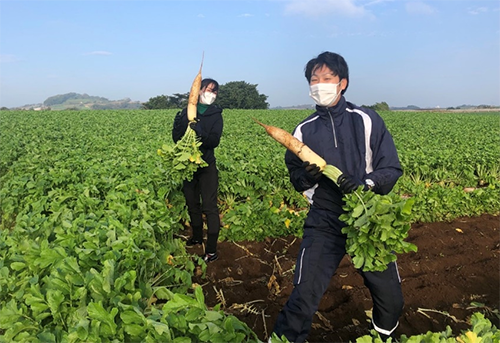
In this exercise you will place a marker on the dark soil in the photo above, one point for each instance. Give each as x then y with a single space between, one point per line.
457 263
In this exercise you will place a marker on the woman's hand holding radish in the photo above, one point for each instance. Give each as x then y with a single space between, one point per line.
194 126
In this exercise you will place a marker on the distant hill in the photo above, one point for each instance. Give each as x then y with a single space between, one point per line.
457 108
77 101
296 107
406 108
63 98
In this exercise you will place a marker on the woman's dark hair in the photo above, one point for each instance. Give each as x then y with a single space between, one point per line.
206 82
334 61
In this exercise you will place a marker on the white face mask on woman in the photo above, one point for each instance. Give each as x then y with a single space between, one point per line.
324 94
207 98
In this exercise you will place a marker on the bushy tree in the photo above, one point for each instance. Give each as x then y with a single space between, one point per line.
241 95
178 100
235 94
379 106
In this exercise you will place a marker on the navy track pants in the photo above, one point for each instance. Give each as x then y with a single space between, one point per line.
321 251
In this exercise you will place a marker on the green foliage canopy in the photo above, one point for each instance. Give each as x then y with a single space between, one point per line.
235 94
177 100
379 106
241 95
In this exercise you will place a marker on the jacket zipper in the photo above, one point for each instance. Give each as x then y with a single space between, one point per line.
333 128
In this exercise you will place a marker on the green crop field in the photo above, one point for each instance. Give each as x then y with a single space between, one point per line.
88 215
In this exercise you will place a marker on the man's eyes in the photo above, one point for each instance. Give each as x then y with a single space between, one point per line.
327 79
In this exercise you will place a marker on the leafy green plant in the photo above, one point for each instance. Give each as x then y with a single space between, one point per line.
184 158
88 216
376 227
481 331
188 317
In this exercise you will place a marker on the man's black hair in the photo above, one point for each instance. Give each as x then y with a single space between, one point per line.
334 61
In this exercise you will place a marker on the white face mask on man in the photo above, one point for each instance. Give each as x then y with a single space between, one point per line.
207 98
324 94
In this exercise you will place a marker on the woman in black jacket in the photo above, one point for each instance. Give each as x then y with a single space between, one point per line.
201 191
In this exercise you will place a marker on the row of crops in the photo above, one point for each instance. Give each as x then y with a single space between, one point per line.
88 247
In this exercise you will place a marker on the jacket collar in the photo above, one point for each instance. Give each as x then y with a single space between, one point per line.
212 109
334 110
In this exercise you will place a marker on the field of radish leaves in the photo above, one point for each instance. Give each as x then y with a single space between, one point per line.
89 222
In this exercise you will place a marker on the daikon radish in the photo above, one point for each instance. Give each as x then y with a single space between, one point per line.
194 94
301 150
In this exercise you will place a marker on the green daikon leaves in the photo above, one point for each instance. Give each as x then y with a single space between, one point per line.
184 158
376 226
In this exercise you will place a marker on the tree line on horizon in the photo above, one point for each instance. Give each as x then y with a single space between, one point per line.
232 95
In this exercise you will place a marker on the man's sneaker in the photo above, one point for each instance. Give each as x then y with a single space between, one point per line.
190 242
210 257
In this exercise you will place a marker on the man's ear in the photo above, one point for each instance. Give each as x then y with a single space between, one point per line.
343 84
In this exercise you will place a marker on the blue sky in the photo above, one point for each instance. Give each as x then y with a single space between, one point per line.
424 53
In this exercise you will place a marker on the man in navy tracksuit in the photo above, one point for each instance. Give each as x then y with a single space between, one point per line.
356 141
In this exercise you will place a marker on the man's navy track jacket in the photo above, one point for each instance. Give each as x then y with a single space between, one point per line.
351 138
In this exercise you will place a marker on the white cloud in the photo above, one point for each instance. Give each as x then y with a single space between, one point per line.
418 7
99 53
315 8
477 10
5 58
201 16
374 2
246 15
